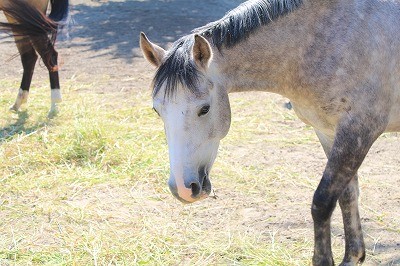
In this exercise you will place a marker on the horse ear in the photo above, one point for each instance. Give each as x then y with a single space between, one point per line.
152 52
202 52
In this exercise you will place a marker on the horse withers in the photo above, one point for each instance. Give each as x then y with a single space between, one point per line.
337 61
35 33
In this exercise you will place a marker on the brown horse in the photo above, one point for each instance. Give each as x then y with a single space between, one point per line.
338 62
35 33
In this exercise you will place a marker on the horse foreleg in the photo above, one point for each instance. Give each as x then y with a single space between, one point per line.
348 201
354 136
28 59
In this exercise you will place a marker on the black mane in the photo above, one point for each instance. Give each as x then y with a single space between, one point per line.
234 27
238 23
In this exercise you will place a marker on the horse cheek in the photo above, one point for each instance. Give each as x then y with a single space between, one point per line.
224 117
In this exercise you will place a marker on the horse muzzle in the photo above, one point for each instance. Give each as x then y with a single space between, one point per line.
190 189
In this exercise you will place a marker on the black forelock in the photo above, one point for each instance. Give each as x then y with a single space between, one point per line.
177 67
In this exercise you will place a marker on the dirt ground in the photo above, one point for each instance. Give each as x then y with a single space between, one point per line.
103 45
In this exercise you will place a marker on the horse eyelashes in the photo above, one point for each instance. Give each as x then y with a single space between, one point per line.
204 110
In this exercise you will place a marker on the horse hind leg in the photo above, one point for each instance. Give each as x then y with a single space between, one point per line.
354 241
28 59
55 87
49 55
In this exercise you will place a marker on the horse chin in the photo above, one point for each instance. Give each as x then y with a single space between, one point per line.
206 190
191 190
202 196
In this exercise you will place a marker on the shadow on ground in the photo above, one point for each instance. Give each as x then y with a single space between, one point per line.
113 27
18 127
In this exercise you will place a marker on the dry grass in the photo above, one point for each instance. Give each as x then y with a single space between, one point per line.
89 186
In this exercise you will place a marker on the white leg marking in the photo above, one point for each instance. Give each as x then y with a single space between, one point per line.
56 96
22 97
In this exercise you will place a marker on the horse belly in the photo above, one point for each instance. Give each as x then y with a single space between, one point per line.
312 116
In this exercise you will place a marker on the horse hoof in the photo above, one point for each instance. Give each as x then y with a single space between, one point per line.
53 111
357 260
51 114
14 109
323 261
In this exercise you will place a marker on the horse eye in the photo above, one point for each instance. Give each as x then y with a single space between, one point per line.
204 110
154 109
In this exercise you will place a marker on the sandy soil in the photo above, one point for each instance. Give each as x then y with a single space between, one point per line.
103 42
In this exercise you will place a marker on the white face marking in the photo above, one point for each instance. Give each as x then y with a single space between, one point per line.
194 124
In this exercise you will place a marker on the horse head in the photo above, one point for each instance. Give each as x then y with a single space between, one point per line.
194 107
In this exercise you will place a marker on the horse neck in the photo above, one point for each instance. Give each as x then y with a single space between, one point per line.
270 58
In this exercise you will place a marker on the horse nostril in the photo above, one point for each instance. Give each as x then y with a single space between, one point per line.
200 187
196 189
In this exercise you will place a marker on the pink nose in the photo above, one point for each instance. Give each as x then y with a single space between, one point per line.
190 190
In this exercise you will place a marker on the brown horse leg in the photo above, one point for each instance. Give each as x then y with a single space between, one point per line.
354 136
49 56
28 59
355 247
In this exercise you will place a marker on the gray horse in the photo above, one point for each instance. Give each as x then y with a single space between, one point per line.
337 61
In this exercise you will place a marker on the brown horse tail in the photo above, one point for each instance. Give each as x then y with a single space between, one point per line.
33 23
